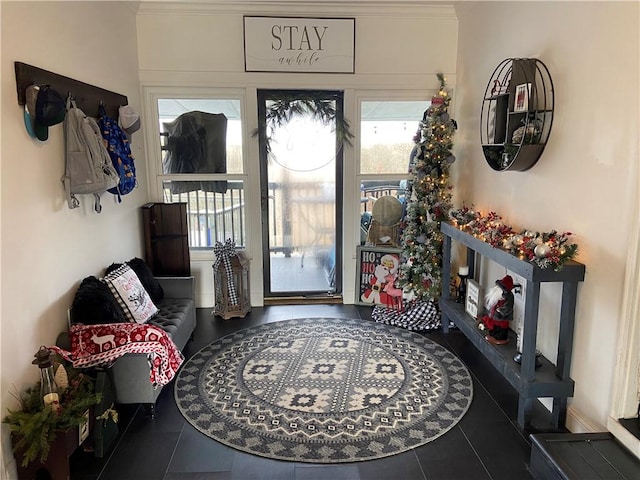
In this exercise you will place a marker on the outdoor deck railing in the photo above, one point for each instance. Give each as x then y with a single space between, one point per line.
213 217
300 214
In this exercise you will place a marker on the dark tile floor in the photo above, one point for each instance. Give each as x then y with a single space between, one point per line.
486 444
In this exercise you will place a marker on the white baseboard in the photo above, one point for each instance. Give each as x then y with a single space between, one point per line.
205 301
578 423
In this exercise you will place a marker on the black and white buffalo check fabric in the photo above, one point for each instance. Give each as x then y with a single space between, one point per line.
415 316
322 390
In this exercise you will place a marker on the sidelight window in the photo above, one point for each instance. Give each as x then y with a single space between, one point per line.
202 166
387 131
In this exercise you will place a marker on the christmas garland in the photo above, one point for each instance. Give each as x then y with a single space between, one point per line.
544 249
285 106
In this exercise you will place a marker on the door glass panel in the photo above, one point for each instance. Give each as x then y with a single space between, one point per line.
301 178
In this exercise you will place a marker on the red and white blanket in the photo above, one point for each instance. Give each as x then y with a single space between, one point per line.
101 345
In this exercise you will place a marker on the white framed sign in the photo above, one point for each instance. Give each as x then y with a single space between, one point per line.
299 44
473 302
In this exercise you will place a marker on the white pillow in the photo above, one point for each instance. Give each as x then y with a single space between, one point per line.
131 294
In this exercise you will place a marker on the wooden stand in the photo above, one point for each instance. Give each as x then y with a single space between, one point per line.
105 430
57 462
547 380
166 239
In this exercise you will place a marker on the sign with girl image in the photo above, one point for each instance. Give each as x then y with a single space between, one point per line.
377 272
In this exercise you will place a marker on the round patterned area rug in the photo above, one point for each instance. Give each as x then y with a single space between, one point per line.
323 390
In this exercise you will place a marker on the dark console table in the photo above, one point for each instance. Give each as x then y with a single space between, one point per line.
548 380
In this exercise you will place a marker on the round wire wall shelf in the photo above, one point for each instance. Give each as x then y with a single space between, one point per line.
517 114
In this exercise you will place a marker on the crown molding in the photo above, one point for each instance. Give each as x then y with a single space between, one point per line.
413 8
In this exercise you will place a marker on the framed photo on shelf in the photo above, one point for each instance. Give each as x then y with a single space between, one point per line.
473 302
376 274
523 94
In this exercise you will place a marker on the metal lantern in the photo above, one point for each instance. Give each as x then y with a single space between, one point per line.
49 391
231 285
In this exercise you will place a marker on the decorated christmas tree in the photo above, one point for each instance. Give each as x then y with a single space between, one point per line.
429 200
429 203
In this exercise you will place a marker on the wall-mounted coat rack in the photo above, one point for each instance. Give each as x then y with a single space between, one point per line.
88 97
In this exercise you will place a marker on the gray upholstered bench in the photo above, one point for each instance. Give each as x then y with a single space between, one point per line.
130 373
177 317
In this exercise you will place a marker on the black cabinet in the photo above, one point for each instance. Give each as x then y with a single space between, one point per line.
517 114
166 239
531 382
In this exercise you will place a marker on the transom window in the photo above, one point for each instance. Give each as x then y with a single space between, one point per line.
387 129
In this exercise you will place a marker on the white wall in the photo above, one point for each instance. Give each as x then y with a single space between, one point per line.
585 180
47 248
398 48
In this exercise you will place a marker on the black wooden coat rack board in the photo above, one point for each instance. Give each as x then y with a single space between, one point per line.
87 96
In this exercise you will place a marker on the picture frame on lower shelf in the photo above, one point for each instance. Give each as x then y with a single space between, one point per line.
473 300
376 273
83 428
522 97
